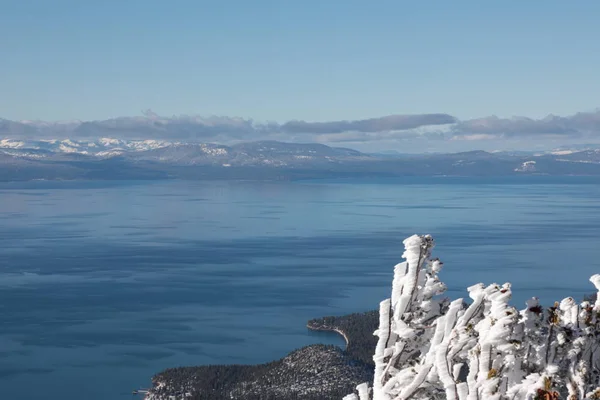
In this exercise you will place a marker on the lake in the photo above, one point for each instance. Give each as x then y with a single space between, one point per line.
103 284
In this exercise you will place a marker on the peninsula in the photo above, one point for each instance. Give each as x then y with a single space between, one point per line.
309 373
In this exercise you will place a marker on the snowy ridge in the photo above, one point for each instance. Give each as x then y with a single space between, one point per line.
113 158
11 144
432 348
527 166
103 147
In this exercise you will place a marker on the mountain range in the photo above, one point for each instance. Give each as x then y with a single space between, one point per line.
107 158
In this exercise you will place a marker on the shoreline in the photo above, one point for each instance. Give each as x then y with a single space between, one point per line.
347 366
324 328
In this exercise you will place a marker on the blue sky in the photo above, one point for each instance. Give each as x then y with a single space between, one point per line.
307 60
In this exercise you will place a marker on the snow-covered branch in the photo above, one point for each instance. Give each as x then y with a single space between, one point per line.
431 348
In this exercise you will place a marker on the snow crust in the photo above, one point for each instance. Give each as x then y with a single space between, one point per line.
527 166
11 144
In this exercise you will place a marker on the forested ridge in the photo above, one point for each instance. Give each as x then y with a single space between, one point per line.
310 373
358 329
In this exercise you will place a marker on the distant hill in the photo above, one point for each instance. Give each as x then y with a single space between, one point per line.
112 159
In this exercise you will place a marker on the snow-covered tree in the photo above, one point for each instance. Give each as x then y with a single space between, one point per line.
433 348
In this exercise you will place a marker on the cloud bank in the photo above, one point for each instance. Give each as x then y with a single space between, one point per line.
372 125
578 124
391 128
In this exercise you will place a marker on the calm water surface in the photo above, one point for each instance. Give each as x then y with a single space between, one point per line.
103 284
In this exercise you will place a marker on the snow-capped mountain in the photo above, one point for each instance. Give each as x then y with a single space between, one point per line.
260 153
110 158
103 147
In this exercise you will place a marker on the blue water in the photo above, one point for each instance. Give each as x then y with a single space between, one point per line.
103 284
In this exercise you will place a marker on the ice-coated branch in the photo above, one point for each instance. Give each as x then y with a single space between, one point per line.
430 348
